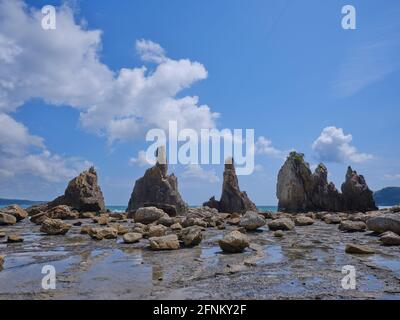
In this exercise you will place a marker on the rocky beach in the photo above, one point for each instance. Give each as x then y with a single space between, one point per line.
161 248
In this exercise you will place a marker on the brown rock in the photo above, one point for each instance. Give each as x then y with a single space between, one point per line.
148 215
14 238
157 187
303 221
103 233
16 211
191 236
55 227
82 193
234 242
284 224
358 249
169 242
132 237
390 239
62 212
157 231
7 219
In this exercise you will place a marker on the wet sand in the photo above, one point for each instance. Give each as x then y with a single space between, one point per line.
305 264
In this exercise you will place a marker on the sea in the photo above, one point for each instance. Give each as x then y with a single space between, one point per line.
123 208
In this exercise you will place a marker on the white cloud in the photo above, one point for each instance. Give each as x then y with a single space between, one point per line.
62 67
22 153
392 176
258 168
150 51
196 171
264 146
334 146
141 160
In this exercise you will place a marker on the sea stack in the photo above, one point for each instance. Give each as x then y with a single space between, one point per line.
83 193
232 199
300 190
356 194
158 189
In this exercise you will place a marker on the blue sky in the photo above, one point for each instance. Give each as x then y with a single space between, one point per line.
285 68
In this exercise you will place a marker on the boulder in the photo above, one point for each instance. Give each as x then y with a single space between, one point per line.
86 229
303 221
252 221
356 194
7 219
166 221
82 193
103 233
188 222
332 219
1 262
169 242
212 203
55 227
62 212
390 238
14 238
157 187
234 242
352 226
191 236
36 209
157 231
284 224
358 249
39 218
148 215
16 211
387 222
132 237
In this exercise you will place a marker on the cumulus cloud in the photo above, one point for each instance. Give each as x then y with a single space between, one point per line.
23 153
197 172
333 145
62 67
264 146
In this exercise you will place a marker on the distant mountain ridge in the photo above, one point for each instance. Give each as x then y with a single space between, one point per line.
389 196
7 202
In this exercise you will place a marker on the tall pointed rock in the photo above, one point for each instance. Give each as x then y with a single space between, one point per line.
157 188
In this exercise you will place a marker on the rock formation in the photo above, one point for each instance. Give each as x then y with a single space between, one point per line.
232 199
356 194
300 190
158 189
83 194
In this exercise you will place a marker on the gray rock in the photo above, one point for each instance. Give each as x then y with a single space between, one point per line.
132 237
191 236
352 226
303 221
148 215
234 242
284 224
332 219
252 221
387 222
55 227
